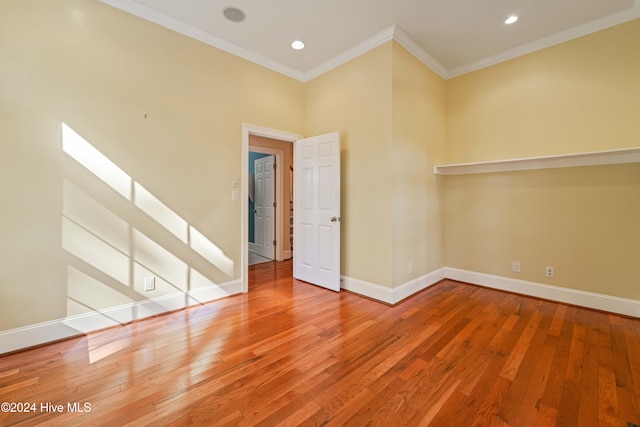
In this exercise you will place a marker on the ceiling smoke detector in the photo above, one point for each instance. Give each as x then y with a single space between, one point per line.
233 14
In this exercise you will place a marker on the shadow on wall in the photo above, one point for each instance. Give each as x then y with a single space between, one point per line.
113 244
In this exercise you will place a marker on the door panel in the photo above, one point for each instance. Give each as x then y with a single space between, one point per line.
317 210
264 212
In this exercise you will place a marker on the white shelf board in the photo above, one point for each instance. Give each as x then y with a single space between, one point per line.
594 158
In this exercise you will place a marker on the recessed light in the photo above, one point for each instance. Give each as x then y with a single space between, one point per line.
511 19
297 45
233 14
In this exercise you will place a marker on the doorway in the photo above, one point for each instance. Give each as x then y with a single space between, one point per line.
263 212
317 206
279 144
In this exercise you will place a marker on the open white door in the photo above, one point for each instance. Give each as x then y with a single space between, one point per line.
316 246
264 211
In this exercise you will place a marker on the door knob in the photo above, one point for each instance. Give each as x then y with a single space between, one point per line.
335 219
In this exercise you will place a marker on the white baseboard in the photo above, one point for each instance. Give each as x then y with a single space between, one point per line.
287 254
612 304
625 306
32 335
416 285
367 289
389 295
29 336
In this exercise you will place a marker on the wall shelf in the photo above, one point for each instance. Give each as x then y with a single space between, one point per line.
594 158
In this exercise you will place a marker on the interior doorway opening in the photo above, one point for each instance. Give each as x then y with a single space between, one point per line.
279 144
265 206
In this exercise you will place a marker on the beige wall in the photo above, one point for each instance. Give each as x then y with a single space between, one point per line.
355 99
418 125
70 243
583 95
389 108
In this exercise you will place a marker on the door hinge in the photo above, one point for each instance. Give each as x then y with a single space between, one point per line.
275 205
274 243
275 166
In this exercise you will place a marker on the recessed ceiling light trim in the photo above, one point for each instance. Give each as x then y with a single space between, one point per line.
297 44
510 20
234 14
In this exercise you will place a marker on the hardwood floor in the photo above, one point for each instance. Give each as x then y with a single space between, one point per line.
289 353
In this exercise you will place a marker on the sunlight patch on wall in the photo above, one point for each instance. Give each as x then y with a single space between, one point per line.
157 210
210 251
113 245
92 159
172 274
95 251
95 218
98 164
87 294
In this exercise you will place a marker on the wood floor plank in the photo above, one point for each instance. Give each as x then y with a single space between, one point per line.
290 353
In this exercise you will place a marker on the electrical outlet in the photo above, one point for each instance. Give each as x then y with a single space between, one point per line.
549 272
516 267
410 269
149 283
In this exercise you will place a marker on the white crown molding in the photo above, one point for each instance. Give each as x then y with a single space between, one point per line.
351 53
148 14
390 33
564 36
42 333
408 43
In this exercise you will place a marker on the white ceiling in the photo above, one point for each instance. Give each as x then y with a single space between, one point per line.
451 36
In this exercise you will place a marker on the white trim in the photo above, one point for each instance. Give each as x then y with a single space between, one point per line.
608 303
41 333
392 295
188 30
248 129
29 336
367 289
416 285
390 33
408 43
594 158
555 39
351 53
612 304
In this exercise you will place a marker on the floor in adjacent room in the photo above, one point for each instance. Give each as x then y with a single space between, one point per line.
254 258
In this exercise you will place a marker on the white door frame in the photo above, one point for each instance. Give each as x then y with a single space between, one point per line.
248 129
